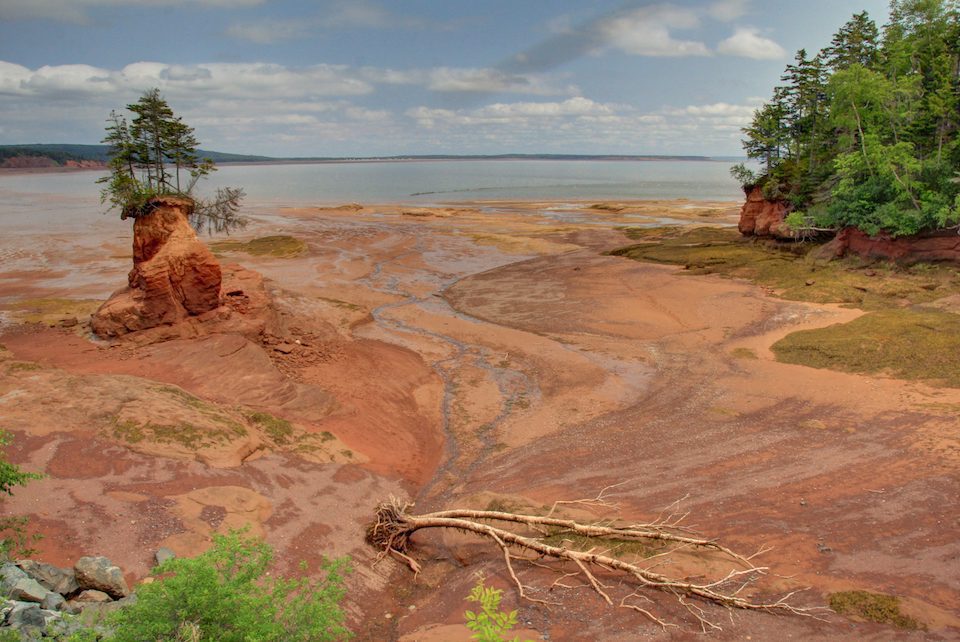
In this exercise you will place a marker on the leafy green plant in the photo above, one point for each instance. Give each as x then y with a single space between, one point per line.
489 624
226 594
14 539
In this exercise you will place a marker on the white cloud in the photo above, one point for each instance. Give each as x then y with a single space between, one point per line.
585 125
207 79
747 42
319 110
77 11
727 10
647 31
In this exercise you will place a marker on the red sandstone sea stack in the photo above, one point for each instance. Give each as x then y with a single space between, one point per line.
763 217
174 275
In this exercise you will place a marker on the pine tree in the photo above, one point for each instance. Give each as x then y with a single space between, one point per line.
141 152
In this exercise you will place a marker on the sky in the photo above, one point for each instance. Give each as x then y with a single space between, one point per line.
367 78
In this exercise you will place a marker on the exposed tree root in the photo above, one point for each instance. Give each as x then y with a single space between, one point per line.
390 533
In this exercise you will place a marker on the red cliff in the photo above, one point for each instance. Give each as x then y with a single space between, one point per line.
941 246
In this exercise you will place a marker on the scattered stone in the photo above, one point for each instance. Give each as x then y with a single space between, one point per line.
59 580
100 574
809 282
53 602
284 348
27 590
93 595
10 574
68 322
823 548
163 554
26 615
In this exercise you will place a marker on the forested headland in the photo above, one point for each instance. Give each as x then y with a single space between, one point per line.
865 132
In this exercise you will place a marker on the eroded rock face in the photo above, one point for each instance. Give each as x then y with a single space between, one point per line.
762 217
942 246
174 275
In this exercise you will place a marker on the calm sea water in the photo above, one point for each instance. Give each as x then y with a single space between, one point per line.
420 182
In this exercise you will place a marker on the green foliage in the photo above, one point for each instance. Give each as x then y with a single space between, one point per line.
743 175
155 153
10 474
226 594
14 539
489 624
867 130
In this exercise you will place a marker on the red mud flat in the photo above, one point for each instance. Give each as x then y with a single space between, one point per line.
464 356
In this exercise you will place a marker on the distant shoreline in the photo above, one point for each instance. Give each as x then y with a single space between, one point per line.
13 171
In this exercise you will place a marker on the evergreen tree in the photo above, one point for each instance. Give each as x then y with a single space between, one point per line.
141 152
865 133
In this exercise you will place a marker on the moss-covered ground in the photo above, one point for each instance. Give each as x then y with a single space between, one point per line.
902 335
50 311
280 246
874 607
904 343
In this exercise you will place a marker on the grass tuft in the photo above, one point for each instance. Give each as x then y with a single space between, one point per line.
884 609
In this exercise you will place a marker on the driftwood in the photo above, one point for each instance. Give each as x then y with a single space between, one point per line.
394 525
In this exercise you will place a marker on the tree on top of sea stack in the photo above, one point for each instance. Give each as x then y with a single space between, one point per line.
155 154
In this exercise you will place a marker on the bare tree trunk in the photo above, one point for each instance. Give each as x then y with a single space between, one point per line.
394 525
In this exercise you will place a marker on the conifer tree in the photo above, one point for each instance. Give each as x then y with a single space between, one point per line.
142 152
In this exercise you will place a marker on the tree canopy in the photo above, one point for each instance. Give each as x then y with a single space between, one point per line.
154 154
865 132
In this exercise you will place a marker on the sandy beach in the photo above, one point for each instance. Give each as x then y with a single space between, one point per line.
475 352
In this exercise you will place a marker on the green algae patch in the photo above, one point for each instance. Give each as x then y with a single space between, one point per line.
875 607
280 246
50 311
22 366
792 270
280 431
905 343
183 433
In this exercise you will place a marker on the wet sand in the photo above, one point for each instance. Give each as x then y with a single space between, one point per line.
491 347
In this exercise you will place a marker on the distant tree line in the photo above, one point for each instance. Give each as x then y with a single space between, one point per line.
865 132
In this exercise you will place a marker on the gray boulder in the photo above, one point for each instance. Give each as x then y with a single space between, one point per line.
26 615
59 580
9 575
53 602
27 590
100 574
163 554
93 595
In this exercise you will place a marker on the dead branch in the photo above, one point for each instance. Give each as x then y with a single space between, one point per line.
394 525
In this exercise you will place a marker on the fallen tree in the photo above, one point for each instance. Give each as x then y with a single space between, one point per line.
530 539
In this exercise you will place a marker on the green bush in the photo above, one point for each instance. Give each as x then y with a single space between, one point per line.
14 540
226 594
489 624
